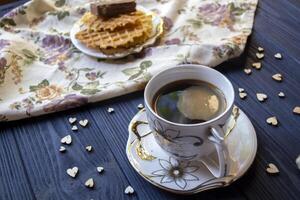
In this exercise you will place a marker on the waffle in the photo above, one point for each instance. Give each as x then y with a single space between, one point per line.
95 23
123 49
120 38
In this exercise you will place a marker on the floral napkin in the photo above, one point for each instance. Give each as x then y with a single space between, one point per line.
42 72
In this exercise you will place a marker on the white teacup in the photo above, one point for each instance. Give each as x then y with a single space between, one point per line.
192 141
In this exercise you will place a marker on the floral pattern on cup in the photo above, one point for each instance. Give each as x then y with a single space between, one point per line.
168 134
171 139
176 171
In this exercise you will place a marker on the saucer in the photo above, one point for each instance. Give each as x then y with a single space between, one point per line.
164 171
157 23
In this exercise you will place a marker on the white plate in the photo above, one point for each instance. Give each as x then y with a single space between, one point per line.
156 32
155 165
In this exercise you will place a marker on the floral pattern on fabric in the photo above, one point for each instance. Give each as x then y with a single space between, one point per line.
42 72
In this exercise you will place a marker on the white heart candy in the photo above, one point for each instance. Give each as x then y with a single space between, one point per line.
62 149
256 65
243 95
296 110
277 77
272 169
89 183
110 110
260 55
272 121
260 49
241 90
84 123
100 169
261 97
129 190
248 71
72 120
66 140
89 148
298 162
74 128
278 56
72 171
281 94
140 106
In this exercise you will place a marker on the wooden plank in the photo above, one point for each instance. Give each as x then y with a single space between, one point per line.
276 31
14 182
41 174
39 140
279 145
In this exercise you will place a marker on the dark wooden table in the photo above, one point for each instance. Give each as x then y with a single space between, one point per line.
32 168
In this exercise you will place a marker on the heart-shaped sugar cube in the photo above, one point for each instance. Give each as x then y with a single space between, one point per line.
72 120
62 149
84 123
298 162
89 148
261 97
110 110
296 110
272 121
256 65
260 49
278 56
277 77
129 190
72 171
248 71
89 183
66 140
74 128
100 169
260 55
272 169
281 94
243 95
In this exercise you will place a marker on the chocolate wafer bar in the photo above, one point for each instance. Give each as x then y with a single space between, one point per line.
112 8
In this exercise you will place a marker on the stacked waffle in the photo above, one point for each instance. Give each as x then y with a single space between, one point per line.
116 34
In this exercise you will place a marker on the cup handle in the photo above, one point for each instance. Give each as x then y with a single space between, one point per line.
217 138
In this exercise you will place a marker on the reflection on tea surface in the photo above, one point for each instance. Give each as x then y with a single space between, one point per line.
189 102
